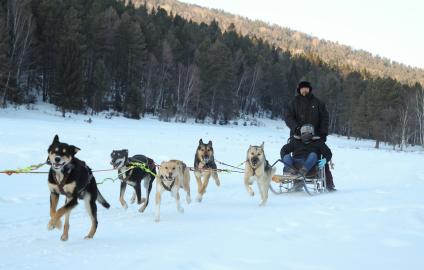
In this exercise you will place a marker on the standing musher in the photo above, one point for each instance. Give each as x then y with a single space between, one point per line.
305 108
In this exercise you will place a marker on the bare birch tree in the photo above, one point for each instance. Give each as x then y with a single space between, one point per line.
19 27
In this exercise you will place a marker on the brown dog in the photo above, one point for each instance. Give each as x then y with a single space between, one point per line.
204 166
172 176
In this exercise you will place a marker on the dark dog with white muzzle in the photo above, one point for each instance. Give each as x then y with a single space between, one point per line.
131 171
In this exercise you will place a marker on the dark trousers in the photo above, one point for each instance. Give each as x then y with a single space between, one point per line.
328 177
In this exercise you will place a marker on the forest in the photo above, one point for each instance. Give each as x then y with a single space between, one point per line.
88 56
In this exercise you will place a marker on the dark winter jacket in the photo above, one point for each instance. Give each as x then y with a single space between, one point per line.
302 150
307 110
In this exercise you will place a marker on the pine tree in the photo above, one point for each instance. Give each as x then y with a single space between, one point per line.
69 87
100 86
218 88
129 58
4 58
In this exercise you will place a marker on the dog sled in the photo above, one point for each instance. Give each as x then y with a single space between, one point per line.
313 183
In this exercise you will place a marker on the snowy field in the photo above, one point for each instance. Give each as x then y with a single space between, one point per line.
374 221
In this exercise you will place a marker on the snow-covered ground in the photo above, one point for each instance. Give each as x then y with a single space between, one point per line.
374 221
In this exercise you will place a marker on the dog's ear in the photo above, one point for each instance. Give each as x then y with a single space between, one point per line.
200 141
210 143
74 149
262 145
55 139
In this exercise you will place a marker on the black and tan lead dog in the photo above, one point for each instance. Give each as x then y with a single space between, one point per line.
133 176
71 177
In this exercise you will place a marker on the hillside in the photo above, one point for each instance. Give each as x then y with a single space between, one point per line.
295 42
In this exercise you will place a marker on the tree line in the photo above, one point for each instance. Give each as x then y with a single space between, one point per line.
88 56
294 41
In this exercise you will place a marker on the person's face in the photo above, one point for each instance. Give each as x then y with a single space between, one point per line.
304 91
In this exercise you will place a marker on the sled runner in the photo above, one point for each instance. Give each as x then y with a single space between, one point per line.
312 183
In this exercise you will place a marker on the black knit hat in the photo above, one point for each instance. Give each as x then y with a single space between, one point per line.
303 84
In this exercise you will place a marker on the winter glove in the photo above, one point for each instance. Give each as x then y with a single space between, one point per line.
322 162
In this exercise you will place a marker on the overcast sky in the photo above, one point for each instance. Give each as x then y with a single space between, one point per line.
391 28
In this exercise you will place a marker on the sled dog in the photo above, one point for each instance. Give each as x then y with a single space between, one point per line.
72 178
172 176
257 168
204 166
132 171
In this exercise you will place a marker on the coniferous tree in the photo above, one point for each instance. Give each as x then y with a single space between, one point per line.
69 87
100 86
4 58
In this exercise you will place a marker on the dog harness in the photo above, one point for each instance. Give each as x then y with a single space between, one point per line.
165 186
61 184
267 166
124 175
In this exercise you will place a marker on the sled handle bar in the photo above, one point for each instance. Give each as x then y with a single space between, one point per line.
276 162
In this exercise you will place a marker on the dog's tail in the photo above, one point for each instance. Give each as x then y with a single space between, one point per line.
271 172
102 200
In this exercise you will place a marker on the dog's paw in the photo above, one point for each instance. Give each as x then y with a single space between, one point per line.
64 237
199 198
262 204
157 219
188 199
142 200
54 223
88 237
50 226
217 182
180 209
124 205
141 210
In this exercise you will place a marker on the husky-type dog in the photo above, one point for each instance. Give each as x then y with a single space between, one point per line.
204 165
172 176
71 177
134 176
257 168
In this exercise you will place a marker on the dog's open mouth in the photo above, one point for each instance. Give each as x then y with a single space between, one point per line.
168 178
58 166
116 164
254 162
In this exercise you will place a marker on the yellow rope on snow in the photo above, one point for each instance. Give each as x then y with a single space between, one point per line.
24 170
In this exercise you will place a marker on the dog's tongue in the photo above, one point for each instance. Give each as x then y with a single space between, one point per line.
57 165
113 165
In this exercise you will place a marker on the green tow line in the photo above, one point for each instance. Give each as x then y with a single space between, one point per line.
24 170
133 165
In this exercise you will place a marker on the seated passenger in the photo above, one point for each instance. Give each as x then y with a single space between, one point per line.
300 155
